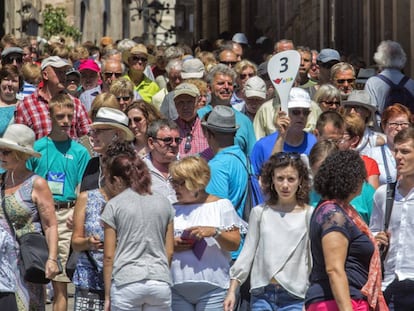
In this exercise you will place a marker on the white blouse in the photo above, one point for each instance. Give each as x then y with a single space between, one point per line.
213 266
276 246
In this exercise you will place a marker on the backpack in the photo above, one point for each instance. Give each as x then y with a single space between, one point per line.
398 93
253 193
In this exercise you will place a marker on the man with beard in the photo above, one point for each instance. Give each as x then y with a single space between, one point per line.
221 80
33 111
343 78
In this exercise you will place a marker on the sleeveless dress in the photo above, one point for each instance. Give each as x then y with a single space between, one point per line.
85 275
23 213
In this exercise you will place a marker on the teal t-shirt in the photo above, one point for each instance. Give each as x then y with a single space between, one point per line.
62 164
363 203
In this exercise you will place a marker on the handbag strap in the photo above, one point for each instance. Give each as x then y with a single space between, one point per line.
92 260
3 205
389 204
384 159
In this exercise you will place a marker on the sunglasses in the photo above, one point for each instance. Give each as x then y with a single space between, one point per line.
232 64
124 98
11 59
110 74
245 75
330 103
287 156
342 81
187 146
139 59
5 152
170 140
297 112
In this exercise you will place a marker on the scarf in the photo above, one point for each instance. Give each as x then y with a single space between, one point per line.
372 288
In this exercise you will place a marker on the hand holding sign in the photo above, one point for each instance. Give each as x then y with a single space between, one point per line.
282 69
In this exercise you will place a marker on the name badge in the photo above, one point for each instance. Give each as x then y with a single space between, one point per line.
56 182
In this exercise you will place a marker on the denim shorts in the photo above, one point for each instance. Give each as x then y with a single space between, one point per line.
274 297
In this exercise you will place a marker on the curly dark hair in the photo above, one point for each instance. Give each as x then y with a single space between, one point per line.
340 175
121 160
282 160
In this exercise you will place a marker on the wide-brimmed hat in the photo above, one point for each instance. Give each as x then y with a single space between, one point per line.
298 98
221 119
55 62
255 87
186 89
360 98
113 118
135 50
19 137
193 69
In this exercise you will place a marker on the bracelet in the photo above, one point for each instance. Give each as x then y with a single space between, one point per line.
51 259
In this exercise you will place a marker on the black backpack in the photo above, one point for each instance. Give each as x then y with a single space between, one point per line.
398 93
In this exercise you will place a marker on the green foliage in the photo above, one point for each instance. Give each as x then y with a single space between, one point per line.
54 23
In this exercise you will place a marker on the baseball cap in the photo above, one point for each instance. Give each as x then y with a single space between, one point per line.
89 64
255 87
327 55
55 62
186 89
298 98
193 69
240 38
11 50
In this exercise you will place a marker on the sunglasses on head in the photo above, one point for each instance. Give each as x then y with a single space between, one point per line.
342 81
297 112
110 74
139 59
245 75
169 140
287 156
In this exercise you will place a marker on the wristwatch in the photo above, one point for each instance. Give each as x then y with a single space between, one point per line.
218 233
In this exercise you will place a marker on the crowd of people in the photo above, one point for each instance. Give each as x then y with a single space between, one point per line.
136 158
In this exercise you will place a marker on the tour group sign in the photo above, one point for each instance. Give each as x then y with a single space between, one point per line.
282 69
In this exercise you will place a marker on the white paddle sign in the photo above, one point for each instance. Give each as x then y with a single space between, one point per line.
282 69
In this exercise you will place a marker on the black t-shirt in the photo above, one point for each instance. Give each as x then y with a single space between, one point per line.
90 179
325 219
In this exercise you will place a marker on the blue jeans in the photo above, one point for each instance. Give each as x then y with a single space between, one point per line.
274 297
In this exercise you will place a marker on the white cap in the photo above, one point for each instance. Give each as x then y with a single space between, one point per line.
255 87
299 98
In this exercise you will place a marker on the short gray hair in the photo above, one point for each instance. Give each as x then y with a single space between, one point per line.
327 91
220 69
155 126
176 64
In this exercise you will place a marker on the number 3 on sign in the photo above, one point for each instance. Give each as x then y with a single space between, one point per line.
283 68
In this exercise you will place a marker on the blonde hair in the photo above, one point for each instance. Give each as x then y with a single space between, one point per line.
193 171
200 84
31 73
20 156
103 100
62 100
122 85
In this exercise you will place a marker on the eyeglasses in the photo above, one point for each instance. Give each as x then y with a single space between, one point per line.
187 146
245 75
298 112
110 74
139 59
5 152
342 81
228 63
11 59
124 98
169 140
287 156
98 131
330 103
396 124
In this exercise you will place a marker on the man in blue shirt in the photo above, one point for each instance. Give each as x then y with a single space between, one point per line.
221 80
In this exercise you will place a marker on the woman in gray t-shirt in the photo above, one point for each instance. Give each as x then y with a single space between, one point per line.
138 244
